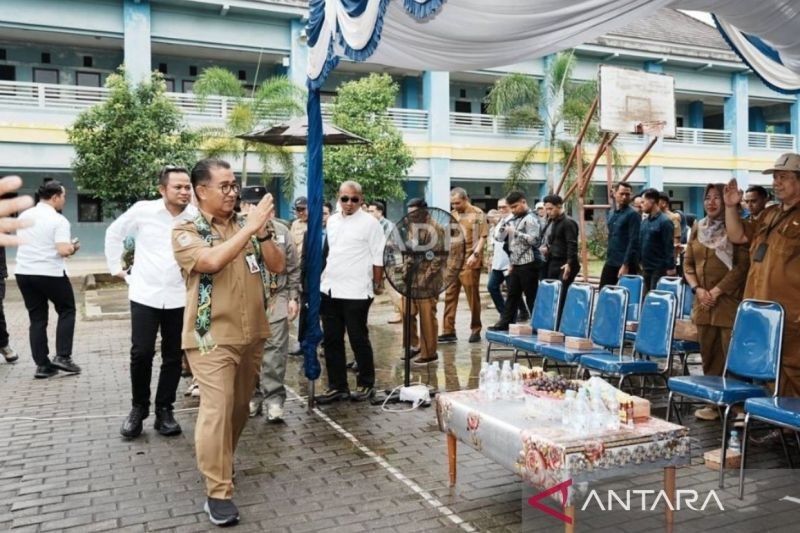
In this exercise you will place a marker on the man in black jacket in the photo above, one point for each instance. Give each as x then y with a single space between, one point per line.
560 248
623 238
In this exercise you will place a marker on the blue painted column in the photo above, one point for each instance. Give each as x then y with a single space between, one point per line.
298 53
794 122
696 201
136 22
696 114
654 175
736 120
755 117
436 100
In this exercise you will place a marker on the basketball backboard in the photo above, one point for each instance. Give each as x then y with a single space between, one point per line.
632 101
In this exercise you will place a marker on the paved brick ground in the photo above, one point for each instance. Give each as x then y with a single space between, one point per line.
79 475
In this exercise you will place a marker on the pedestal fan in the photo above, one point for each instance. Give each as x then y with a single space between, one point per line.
422 257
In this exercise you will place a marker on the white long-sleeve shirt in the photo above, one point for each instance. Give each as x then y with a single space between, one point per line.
155 279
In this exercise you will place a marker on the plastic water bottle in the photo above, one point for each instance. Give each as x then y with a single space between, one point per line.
492 381
612 402
516 375
734 444
581 411
568 408
505 381
482 377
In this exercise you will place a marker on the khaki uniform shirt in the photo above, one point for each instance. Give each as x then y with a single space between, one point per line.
473 223
675 218
712 272
238 316
777 277
298 230
287 283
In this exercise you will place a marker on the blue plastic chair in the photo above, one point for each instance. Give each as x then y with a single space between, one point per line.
607 329
635 286
673 284
653 341
544 316
575 319
754 354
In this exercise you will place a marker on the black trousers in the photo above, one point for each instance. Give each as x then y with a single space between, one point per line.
145 323
554 272
522 280
3 325
338 316
302 324
651 278
609 275
37 291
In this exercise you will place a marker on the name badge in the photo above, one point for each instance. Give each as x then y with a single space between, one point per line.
252 263
281 239
760 252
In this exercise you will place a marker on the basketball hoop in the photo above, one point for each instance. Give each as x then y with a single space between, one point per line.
653 128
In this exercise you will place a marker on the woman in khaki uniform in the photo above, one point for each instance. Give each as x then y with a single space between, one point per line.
716 270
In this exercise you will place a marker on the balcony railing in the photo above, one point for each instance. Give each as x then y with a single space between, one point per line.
475 124
17 94
771 141
701 137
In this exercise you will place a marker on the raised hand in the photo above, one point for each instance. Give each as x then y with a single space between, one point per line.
731 194
10 206
260 214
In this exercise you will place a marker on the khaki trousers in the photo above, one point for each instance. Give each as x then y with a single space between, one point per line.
790 362
428 325
227 376
714 342
470 279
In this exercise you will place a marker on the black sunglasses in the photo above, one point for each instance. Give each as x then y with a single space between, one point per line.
351 199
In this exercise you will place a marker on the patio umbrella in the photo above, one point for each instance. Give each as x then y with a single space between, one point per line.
295 133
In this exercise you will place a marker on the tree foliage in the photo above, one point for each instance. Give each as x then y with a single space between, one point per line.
360 107
556 103
121 143
275 100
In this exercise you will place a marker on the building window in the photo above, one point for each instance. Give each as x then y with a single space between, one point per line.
45 75
242 75
188 85
162 68
8 72
88 61
170 85
88 79
90 209
45 57
192 70
2 54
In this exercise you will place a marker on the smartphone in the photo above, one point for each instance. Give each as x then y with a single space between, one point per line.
252 194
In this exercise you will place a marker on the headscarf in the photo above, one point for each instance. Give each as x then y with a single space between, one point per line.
712 233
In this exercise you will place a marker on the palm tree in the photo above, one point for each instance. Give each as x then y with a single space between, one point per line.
274 100
519 99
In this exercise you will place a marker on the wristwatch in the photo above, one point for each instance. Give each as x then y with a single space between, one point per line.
694 289
270 233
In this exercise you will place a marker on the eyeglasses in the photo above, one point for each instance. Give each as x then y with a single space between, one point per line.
299 209
350 199
226 188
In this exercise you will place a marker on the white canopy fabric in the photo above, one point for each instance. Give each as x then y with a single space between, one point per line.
456 35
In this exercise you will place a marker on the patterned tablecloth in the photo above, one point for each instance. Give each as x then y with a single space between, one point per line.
545 453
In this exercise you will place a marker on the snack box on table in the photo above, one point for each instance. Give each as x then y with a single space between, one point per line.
551 337
578 343
685 330
712 458
631 326
520 329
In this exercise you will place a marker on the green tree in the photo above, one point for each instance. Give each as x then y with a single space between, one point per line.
519 98
121 143
360 107
274 100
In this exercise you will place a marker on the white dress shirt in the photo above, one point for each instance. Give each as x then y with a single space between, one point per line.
37 255
355 245
500 260
155 279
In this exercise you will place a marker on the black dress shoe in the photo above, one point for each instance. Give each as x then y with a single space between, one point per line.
44 372
449 337
132 427
362 393
423 361
65 363
475 337
500 326
332 395
166 423
221 512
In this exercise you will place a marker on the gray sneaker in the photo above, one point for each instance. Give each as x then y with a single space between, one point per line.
221 512
274 413
9 353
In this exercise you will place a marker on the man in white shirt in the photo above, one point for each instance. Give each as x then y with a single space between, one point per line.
41 277
157 294
353 275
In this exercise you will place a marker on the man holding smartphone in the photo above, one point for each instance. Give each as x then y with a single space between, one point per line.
157 296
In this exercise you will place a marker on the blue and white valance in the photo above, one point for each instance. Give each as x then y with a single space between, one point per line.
455 35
